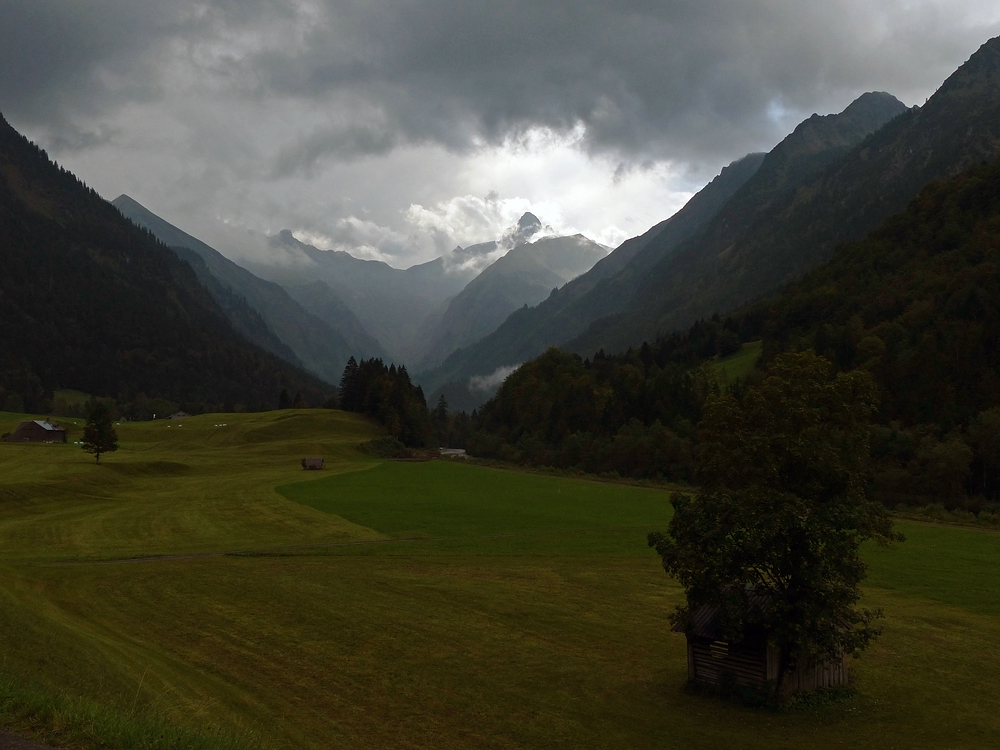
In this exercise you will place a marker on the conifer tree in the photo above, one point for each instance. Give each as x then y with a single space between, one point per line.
99 434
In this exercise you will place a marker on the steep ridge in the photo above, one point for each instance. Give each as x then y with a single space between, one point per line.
957 127
289 330
569 310
244 318
526 275
90 301
320 300
392 303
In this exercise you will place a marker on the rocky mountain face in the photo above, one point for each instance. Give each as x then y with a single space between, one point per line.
90 301
261 310
526 275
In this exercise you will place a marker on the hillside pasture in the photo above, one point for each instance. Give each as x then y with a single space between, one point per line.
201 578
725 371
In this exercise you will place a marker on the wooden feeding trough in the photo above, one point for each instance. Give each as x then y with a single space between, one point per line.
312 463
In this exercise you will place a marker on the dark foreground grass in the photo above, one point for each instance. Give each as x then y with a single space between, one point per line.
425 605
76 722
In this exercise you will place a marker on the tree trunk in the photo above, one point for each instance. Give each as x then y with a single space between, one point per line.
784 663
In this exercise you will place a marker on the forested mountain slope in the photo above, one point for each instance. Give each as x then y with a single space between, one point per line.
917 303
290 331
959 126
90 301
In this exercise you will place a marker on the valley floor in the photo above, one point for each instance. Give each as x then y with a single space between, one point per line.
416 605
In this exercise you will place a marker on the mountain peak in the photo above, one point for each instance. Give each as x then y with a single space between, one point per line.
527 227
125 200
529 223
872 110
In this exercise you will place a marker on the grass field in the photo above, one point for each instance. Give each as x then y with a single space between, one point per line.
727 370
404 605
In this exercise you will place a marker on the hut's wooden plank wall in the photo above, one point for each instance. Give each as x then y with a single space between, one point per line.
710 659
753 665
823 675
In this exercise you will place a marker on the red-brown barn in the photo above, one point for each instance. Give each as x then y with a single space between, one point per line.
37 431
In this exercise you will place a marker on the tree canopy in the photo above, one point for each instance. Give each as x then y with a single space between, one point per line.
772 540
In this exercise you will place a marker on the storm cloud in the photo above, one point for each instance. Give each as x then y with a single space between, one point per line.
307 113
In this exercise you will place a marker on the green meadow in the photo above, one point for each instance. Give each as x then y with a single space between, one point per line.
725 371
199 589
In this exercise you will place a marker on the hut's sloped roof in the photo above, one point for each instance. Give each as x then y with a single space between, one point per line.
46 425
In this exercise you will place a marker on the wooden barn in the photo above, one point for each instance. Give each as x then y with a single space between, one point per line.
751 662
314 463
37 431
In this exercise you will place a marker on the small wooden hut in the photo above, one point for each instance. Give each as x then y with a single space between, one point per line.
750 662
313 463
37 431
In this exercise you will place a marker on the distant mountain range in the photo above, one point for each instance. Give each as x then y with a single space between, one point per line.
421 314
752 230
529 273
92 302
569 310
315 330
321 313
391 303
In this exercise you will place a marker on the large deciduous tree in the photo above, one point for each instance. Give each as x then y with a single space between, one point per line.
772 540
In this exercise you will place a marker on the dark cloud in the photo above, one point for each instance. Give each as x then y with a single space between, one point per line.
345 142
684 78
377 126
62 58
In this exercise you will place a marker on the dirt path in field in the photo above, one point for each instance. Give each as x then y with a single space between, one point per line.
10 741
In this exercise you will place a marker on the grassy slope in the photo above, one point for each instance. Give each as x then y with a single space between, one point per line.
529 614
727 370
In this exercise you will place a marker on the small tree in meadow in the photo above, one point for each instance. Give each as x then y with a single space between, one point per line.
772 541
99 434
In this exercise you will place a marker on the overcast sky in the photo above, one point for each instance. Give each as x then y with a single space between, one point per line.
396 129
